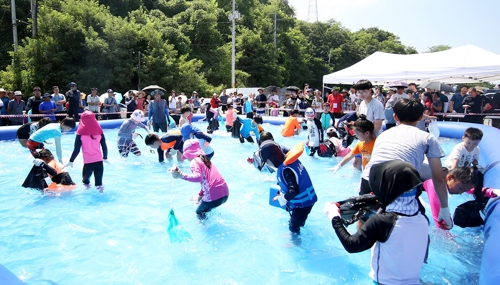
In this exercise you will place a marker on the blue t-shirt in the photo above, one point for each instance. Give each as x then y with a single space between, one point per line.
458 100
47 132
248 107
5 101
45 106
56 98
84 104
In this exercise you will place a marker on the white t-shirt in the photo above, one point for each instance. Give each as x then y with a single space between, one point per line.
273 98
93 99
406 143
406 245
173 104
465 158
396 97
317 104
373 111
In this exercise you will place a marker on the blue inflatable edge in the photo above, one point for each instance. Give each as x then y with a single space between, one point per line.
490 159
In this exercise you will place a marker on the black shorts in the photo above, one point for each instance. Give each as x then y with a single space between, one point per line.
63 178
224 108
23 133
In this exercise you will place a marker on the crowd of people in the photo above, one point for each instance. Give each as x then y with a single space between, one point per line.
396 229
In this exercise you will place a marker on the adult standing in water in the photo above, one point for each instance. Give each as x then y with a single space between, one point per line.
158 112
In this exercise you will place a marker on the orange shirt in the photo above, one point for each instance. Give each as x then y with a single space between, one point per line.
365 149
291 125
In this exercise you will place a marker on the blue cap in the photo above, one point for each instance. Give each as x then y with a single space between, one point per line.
110 91
72 84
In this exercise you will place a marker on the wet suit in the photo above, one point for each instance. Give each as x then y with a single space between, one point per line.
245 130
169 141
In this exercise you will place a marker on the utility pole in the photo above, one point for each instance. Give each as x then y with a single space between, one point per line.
34 13
14 22
274 27
235 15
139 73
312 14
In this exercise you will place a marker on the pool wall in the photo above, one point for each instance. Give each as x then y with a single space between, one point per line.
490 158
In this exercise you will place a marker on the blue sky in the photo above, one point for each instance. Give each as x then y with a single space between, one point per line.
418 23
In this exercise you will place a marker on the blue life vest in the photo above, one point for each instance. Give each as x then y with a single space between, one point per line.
307 195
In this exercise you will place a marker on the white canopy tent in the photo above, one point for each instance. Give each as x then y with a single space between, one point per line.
459 65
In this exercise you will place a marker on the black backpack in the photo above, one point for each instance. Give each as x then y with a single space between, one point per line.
327 149
468 214
235 132
35 178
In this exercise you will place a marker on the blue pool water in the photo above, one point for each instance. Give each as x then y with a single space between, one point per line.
119 236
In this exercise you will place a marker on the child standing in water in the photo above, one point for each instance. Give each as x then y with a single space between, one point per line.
364 130
296 188
315 132
127 134
325 117
466 153
214 190
90 137
230 117
49 131
185 113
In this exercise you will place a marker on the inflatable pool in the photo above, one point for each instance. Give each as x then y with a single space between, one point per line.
490 268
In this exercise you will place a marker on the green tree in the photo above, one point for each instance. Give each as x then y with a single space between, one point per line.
438 48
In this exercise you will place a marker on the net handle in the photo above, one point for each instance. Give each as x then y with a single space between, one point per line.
171 191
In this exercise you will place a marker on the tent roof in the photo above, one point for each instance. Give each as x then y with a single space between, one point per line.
464 64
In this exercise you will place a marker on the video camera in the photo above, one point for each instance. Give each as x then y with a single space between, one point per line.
358 207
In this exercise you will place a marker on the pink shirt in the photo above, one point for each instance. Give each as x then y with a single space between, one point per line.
91 149
434 200
339 148
213 186
230 117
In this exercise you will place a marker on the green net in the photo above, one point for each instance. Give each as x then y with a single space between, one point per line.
175 231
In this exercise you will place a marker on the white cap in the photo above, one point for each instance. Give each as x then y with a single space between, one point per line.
137 115
310 113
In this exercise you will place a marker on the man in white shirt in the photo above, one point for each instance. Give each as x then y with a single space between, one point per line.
273 99
93 101
399 95
372 109
172 103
